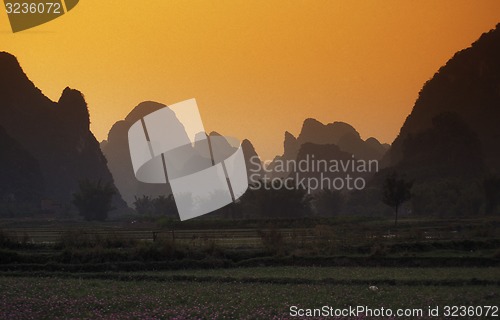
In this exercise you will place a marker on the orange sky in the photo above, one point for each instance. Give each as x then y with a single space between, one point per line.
256 68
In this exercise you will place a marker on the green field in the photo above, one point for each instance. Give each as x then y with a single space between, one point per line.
226 294
343 273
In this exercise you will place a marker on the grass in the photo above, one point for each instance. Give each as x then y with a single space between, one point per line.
342 273
346 230
295 275
50 273
59 298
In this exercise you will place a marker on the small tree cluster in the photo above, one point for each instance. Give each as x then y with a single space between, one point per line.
93 200
491 188
162 205
328 202
273 202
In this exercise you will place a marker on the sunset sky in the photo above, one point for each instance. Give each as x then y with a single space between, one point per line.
256 68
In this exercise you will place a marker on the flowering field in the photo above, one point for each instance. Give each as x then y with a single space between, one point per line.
27 297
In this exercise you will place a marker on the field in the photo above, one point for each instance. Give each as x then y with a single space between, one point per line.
245 293
251 270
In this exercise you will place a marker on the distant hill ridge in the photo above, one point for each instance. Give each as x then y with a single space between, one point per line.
55 135
337 139
340 134
468 85
116 150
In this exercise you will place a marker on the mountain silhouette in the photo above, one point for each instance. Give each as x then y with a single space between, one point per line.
450 141
254 170
449 148
54 134
20 175
332 136
314 153
468 86
338 133
192 158
117 152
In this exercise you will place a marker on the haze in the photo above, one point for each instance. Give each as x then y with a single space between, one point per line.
256 68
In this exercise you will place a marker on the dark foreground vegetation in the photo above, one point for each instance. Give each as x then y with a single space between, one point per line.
229 293
156 268
58 246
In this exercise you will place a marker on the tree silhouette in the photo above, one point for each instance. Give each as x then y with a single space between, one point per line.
93 200
272 201
143 205
396 192
328 202
165 205
491 187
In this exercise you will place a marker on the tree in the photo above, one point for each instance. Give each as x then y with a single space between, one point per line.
93 200
161 206
272 200
491 188
396 192
144 205
165 206
328 202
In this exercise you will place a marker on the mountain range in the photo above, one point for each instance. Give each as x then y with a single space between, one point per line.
47 146
338 137
447 145
116 149
456 115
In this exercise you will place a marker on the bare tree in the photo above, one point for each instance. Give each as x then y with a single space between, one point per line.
396 192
